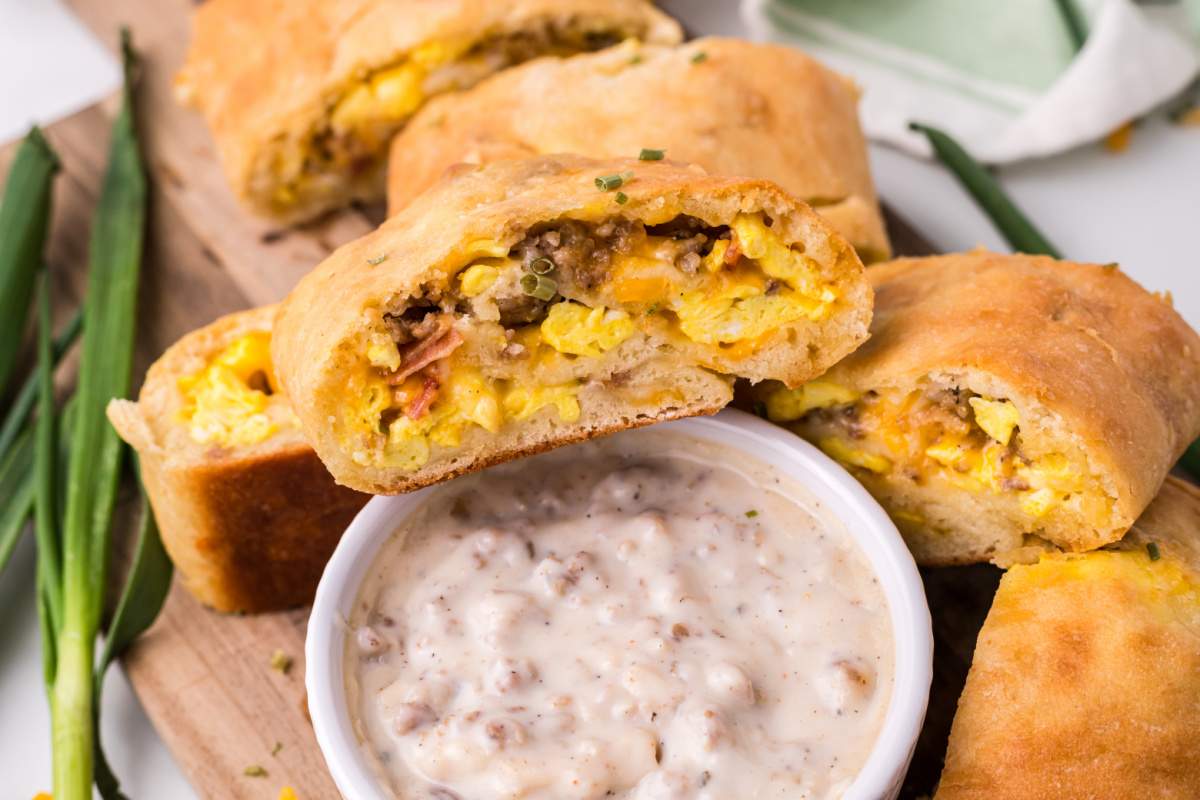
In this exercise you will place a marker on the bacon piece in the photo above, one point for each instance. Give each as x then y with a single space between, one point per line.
418 355
421 403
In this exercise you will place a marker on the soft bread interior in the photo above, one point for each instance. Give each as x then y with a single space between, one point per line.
968 471
349 141
582 327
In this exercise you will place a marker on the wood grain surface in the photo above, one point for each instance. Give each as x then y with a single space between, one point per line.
206 679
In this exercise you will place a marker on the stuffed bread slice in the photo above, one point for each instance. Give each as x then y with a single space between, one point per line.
246 510
303 96
731 106
1086 676
1007 397
528 304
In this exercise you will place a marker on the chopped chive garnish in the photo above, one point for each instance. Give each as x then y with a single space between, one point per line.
653 309
650 154
254 771
377 260
751 514
760 409
275 750
636 58
541 266
700 57
606 183
1110 265
1152 551
538 286
622 198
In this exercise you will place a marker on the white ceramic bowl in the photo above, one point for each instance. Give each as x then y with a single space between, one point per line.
740 432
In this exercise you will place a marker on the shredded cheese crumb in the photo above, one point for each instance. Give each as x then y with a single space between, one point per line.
281 662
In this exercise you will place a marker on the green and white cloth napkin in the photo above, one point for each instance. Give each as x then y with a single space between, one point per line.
1003 77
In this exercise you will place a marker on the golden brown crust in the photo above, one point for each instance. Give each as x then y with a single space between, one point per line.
758 110
1086 677
249 528
262 71
1102 366
314 346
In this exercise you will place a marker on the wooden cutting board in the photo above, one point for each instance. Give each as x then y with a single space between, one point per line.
206 679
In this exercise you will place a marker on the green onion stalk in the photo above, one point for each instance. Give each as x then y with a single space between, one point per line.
1021 234
1018 231
93 468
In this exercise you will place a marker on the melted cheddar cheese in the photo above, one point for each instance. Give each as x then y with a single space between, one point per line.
1164 579
220 404
892 430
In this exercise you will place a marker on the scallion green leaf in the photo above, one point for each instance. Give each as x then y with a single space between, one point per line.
650 154
1008 219
1152 551
24 220
142 598
14 420
16 489
46 457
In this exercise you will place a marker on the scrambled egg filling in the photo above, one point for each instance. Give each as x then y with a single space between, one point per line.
367 113
394 94
467 398
225 403
891 431
370 111
730 298
576 329
773 287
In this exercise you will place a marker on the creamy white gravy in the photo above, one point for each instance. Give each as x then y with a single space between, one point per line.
645 616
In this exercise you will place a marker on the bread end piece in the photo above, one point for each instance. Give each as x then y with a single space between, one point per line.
248 528
1085 681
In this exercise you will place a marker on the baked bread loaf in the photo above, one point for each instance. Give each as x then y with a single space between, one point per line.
528 304
1086 676
303 96
246 510
1005 400
731 106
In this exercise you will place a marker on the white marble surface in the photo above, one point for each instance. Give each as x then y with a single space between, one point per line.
1140 208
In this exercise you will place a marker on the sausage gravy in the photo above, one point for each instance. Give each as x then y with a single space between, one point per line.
646 616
